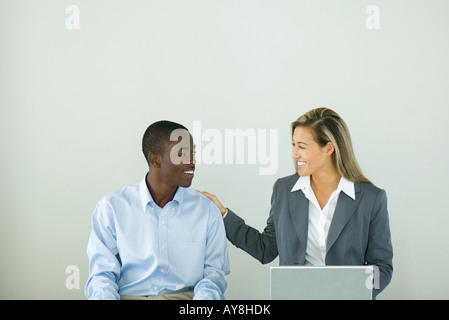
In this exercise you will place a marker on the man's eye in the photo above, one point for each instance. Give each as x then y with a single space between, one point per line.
184 153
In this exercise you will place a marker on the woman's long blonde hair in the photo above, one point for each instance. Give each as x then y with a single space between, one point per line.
328 126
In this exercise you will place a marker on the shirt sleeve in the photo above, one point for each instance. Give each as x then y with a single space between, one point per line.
104 266
213 285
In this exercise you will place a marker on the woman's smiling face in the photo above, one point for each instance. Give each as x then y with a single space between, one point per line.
310 157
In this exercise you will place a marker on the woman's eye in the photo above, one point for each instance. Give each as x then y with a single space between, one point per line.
300 147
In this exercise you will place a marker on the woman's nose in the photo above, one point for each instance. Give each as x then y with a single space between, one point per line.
295 153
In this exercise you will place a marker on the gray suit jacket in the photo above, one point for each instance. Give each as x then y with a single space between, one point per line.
359 233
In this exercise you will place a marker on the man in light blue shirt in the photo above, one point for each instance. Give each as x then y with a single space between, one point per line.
158 238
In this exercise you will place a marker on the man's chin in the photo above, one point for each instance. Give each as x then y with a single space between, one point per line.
186 184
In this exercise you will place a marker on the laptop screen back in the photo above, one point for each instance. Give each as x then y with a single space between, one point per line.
321 283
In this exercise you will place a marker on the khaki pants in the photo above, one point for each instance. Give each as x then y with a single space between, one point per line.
186 295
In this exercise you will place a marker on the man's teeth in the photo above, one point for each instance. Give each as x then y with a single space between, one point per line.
188 172
301 163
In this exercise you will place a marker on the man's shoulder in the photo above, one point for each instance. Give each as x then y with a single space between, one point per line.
193 195
201 200
122 194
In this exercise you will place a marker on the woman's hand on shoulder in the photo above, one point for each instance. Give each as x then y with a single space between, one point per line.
215 200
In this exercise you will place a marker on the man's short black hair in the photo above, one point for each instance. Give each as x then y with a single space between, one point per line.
157 136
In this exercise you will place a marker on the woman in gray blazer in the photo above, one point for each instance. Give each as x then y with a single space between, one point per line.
327 213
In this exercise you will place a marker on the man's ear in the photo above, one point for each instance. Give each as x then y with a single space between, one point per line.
154 160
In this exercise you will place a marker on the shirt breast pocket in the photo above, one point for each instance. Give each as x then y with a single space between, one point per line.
190 259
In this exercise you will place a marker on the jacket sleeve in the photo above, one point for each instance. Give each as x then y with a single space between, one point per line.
380 250
261 246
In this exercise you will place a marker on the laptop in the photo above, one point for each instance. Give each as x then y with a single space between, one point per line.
321 282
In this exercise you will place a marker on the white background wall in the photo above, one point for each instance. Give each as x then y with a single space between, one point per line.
75 103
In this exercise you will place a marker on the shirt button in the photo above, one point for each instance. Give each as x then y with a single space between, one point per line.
163 247
155 288
162 270
163 222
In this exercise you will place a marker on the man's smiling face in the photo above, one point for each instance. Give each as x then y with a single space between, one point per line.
177 165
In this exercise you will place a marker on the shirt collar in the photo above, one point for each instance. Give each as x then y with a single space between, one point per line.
146 198
302 183
344 185
347 186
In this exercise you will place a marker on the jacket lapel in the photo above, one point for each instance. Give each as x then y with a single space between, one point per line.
299 211
346 207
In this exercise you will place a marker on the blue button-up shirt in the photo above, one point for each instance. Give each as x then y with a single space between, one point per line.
137 248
